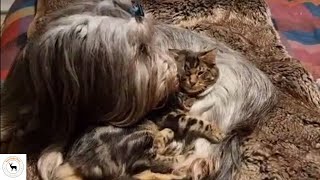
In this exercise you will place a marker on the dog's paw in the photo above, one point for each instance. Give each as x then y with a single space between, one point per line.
67 172
50 159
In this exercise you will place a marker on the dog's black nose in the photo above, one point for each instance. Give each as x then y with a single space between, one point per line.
137 9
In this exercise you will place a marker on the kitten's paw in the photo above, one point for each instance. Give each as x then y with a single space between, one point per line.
169 160
180 158
214 134
174 148
50 159
182 99
148 175
164 137
188 103
200 169
182 172
168 135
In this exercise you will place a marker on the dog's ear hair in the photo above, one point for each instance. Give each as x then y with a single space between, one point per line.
72 76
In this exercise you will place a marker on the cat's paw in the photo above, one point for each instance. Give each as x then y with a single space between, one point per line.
190 102
174 148
167 134
180 158
182 99
169 160
183 172
214 134
162 139
147 175
200 169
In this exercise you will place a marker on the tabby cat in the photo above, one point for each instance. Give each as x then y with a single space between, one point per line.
197 72
109 152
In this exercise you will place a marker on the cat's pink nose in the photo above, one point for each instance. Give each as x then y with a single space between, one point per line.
193 80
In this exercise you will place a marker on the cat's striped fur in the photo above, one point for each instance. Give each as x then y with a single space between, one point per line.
108 152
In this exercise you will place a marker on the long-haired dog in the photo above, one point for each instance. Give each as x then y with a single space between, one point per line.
93 62
240 98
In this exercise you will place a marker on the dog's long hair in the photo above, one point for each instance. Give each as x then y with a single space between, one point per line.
91 63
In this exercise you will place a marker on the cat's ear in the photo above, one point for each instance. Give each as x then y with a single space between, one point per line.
175 53
208 57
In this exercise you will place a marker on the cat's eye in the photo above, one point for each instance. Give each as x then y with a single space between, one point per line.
202 69
200 73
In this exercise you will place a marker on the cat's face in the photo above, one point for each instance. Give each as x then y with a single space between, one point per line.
196 70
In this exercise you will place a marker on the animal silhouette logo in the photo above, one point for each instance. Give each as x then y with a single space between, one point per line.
13 166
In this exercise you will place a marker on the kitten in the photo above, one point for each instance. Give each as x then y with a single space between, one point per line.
111 152
197 72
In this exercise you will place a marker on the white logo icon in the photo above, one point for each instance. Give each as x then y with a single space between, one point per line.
13 166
